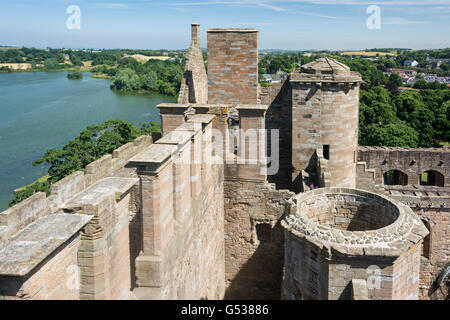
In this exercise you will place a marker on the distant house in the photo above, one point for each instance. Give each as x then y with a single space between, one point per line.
275 78
436 63
410 63
267 77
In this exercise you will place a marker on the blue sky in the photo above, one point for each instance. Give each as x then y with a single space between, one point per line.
283 24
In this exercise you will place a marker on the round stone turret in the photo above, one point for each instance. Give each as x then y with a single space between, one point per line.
325 105
335 237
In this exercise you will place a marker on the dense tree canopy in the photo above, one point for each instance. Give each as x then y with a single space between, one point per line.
158 76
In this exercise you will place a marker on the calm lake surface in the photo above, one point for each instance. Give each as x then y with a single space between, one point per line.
44 110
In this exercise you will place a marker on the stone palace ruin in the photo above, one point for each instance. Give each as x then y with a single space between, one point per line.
251 193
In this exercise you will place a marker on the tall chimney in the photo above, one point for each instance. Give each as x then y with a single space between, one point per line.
195 35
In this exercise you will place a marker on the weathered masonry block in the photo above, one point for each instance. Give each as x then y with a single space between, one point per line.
40 262
232 66
336 235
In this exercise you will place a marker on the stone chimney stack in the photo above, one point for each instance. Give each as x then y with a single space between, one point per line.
195 34
233 66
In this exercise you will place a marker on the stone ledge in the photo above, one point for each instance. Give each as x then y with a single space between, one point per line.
155 154
37 241
370 148
202 118
232 30
96 193
176 137
173 105
194 127
263 107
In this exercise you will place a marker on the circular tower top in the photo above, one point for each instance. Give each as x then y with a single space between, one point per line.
325 70
326 66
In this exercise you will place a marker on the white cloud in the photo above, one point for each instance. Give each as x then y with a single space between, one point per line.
272 7
112 5
261 3
400 21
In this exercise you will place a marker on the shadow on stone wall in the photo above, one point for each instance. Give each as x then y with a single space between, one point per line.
261 277
279 116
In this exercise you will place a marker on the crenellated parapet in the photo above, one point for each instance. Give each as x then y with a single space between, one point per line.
181 192
239 133
77 237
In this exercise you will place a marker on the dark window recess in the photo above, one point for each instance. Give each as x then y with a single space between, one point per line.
236 146
395 178
427 241
326 152
264 232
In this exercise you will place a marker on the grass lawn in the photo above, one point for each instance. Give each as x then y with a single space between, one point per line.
41 179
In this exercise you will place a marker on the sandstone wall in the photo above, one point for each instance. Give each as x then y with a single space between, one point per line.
104 254
56 279
435 214
254 240
40 261
435 256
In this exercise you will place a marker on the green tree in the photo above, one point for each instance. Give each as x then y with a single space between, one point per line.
397 134
396 79
50 63
151 81
75 75
126 80
76 60
412 110
421 84
28 191
91 144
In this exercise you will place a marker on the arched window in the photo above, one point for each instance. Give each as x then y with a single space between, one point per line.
432 178
395 178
